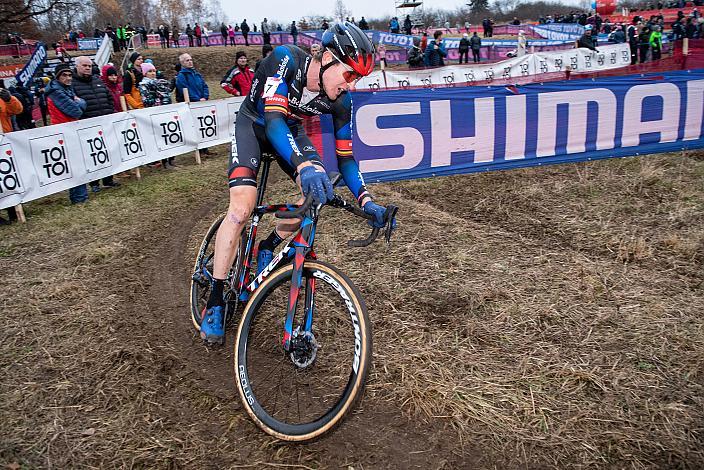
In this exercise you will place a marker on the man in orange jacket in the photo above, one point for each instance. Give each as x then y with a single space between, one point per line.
9 106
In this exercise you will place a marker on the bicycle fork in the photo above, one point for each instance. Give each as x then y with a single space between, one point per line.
302 244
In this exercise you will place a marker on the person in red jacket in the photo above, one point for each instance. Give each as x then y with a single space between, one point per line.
113 83
238 80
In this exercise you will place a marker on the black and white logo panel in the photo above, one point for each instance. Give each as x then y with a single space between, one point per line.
50 158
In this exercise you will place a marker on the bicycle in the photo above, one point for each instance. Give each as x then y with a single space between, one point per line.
323 378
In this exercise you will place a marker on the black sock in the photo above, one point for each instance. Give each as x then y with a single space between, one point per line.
271 242
216 293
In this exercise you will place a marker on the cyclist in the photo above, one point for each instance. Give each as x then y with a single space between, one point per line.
287 85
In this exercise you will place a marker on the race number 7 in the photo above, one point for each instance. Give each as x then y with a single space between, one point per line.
270 87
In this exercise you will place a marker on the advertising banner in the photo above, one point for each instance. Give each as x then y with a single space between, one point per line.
38 162
405 134
89 44
36 60
579 60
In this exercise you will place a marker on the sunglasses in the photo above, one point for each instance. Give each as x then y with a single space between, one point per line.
349 74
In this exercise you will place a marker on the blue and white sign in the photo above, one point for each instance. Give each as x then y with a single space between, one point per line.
24 77
89 44
407 134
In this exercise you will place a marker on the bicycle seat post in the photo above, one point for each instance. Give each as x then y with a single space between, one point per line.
266 161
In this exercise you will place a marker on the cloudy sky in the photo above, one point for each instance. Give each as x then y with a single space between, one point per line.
286 10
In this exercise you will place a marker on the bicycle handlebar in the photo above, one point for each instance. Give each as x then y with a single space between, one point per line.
338 201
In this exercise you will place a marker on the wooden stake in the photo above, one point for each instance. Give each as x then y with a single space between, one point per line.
187 99
20 213
685 46
137 173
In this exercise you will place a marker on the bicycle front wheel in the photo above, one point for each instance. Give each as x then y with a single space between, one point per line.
302 394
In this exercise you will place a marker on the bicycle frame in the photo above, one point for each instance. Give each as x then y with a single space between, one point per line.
295 251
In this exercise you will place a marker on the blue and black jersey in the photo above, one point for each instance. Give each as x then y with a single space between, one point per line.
277 102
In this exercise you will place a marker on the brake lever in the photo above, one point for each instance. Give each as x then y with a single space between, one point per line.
389 217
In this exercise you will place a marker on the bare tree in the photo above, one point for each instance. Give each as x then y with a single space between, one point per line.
340 12
13 12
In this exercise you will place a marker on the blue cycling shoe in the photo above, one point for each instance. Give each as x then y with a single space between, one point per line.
264 257
211 327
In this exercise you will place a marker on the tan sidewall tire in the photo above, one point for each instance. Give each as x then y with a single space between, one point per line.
365 360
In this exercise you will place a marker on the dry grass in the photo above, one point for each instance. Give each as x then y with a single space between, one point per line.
543 318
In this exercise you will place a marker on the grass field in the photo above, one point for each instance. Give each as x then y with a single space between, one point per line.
538 318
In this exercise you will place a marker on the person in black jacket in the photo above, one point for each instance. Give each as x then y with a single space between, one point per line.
464 48
244 27
98 100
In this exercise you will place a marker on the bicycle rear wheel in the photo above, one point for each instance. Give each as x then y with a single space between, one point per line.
201 281
300 395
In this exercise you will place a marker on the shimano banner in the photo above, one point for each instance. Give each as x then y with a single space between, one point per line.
406 134
24 77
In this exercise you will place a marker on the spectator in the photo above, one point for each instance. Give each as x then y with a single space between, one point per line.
485 26
130 81
656 43
121 37
189 33
155 92
447 27
408 25
238 80
61 53
587 40
394 26
24 95
65 106
294 33
172 84
111 79
476 44
522 43
266 52
324 26
244 27
9 106
175 36
99 102
435 52
415 55
362 24
190 79
467 26
205 32
162 39
464 48
381 55
40 85
231 35
644 44
223 33
617 36
266 31
198 32
516 21
632 34
424 42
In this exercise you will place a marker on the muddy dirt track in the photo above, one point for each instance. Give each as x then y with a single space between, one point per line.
543 318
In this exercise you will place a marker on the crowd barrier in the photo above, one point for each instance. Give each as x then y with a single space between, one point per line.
578 60
405 134
38 162
398 134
